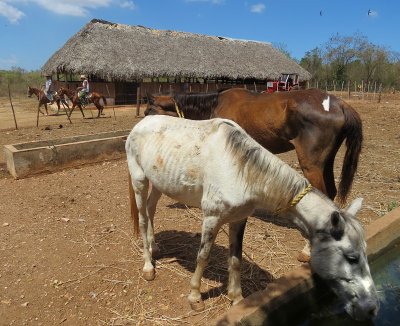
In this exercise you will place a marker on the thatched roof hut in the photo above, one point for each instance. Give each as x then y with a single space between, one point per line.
130 53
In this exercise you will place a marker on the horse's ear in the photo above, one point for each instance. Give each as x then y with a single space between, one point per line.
355 206
150 97
337 226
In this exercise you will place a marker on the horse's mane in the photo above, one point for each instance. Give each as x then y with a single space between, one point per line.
197 105
263 170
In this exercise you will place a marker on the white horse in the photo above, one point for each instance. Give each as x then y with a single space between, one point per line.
215 165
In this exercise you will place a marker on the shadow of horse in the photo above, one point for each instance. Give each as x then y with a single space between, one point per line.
183 247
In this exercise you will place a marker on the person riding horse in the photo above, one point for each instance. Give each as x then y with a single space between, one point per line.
83 91
49 89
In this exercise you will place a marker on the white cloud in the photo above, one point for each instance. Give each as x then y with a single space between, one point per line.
11 13
257 8
127 5
79 8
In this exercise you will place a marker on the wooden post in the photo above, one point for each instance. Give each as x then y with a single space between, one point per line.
108 92
348 88
255 87
355 86
334 86
138 100
362 88
342 86
380 93
374 90
12 107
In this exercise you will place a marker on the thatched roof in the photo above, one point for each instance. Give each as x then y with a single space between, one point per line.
123 52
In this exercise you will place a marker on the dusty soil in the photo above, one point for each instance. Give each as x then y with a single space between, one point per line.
67 247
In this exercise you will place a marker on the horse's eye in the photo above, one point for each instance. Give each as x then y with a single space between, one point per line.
352 259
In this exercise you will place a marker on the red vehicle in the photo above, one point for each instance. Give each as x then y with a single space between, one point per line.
285 83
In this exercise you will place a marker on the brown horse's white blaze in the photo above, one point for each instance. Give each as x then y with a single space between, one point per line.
216 166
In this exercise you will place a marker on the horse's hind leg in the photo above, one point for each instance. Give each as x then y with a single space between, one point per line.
140 186
80 108
152 201
236 231
208 234
45 106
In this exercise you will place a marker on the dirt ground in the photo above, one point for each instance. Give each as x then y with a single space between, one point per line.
68 256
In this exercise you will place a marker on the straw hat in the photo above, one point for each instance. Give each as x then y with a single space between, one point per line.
83 76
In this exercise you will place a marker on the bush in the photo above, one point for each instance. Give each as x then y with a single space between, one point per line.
19 80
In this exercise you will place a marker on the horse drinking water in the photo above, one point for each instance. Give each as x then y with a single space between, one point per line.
215 165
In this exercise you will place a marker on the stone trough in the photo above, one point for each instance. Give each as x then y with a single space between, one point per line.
27 159
287 300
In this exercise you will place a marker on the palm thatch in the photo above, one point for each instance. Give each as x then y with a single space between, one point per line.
122 52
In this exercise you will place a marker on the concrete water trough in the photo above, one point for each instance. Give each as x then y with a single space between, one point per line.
27 159
291 298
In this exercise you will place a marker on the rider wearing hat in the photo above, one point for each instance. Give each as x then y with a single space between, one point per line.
83 90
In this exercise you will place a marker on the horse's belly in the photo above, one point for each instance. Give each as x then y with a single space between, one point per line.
182 190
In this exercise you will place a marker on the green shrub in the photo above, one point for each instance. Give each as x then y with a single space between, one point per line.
19 80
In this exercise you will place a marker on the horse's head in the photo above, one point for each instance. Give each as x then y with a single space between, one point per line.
161 104
338 256
30 91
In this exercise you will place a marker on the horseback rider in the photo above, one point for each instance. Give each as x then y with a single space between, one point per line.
49 89
83 91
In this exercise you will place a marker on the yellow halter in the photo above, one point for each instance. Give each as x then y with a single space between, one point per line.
178 111
296 199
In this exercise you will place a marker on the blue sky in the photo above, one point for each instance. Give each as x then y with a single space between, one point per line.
32 30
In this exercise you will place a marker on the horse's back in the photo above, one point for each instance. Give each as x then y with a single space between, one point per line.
177 156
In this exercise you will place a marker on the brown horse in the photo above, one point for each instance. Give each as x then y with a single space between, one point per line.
93 97
43 100
312 122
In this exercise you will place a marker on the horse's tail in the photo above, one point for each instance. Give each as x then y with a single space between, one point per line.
352 132
134 209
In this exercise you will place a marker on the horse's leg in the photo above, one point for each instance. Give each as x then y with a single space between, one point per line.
316 162
236 231
58 107
45 106
208 234
80 108
154 196
311 160
141 186
72 109
39 105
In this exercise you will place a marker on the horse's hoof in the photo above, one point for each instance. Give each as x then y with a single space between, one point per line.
197 305
303 258
149 275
